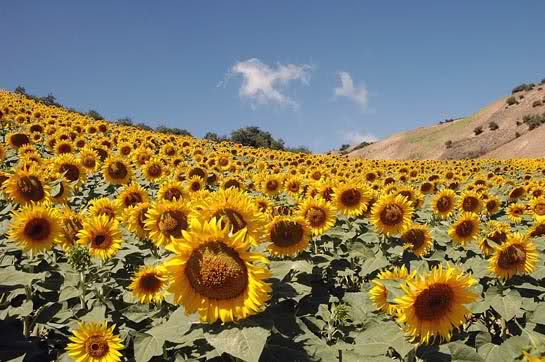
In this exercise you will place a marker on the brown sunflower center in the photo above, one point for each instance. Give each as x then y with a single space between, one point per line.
150 283
470 203
539 230
415 237
517 211
539 209
195 186
37 229
132 199
64 148
216 271
117 170
511 257
97 346
101 241
351 197
272 185
392 214
19 139
71 172
434 302
316 216
287 233
231 218
172 223
31 188
465 228
327 193
154 170
491 205
516 192
232 183
293 186
444 204
173 193
89 162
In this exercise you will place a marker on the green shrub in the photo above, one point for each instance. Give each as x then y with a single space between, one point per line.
493 126
520 88
478 130
511 100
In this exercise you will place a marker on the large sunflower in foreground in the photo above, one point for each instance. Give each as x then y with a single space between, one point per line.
149 283
94 342
288 235
518 255
351 199
26 186
102 235
319 214
35 228
215 274
391 214
235 209
465 229
379 293
434 304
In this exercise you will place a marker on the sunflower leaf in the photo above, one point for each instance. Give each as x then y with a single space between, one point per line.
246 343
147 346
507 306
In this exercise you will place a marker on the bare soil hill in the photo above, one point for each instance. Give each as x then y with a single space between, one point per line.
502 129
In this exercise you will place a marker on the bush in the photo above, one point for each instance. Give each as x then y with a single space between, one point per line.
493 126
511 100
255 137
537 103
95 115
362 145
344 147
299 149
174 131
448 144
520 88
126 121
478 130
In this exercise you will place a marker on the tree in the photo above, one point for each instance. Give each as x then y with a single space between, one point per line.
49 100
344 147
299 149
255 137
95 115
125 121
20 90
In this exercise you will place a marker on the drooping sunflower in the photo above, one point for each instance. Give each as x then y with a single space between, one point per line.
26 186
465 229
132 195
71 224
102 235
319 214
434 304
417 239
379 293
35 228
288 235
149 284
537 229
518 255
235 209
215 274
117 171
172 190
60 188
165 221
443 203
492 205
391 214
351 199
95 342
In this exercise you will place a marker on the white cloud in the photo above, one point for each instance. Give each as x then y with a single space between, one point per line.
357 137
264 84
347 89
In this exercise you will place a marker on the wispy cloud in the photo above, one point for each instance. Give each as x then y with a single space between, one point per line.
356 137
358 94
264 84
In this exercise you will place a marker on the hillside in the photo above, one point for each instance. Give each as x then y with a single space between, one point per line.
457 139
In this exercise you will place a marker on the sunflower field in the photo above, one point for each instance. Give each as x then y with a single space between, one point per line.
124 244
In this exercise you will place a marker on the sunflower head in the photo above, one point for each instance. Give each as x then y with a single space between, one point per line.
288 235
319 214
35 228
518 255
149 283
165 221
443 203
351 199
26 186
417 239
465 229
95 342
117 171
102 235
391 214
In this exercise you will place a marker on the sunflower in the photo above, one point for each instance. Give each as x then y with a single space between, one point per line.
294 186
195 184
89 159
518 255
154 169
26 186
71 223
61 189
102 235
417 239
69 166
470 202
64 147
135 219
391 214
515 211
215 274
443 203
271 185
537 208
288 235
379 293
537 229
172 190
351 199
18 139
492 205
105 206
264 204
94 342
35 228
231 182
117 171
234 209
149 284
465 228
319 214
132 195
434 304
165 221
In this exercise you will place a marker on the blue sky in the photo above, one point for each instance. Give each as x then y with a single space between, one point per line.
315 73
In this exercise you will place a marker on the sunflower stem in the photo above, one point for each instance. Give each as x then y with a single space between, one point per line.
83 290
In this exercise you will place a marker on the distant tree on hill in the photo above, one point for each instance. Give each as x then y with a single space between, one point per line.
95 115
344 147
174 131
20 90
255 137
213 136
125 121
299 149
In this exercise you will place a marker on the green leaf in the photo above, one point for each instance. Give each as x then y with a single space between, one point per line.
373 264
175 328
147 346
492 352
463 353
68 293
280 269
11 277
376 341
508 305
245 343
360 305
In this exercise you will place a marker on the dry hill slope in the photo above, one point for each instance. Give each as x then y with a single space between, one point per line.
457 139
